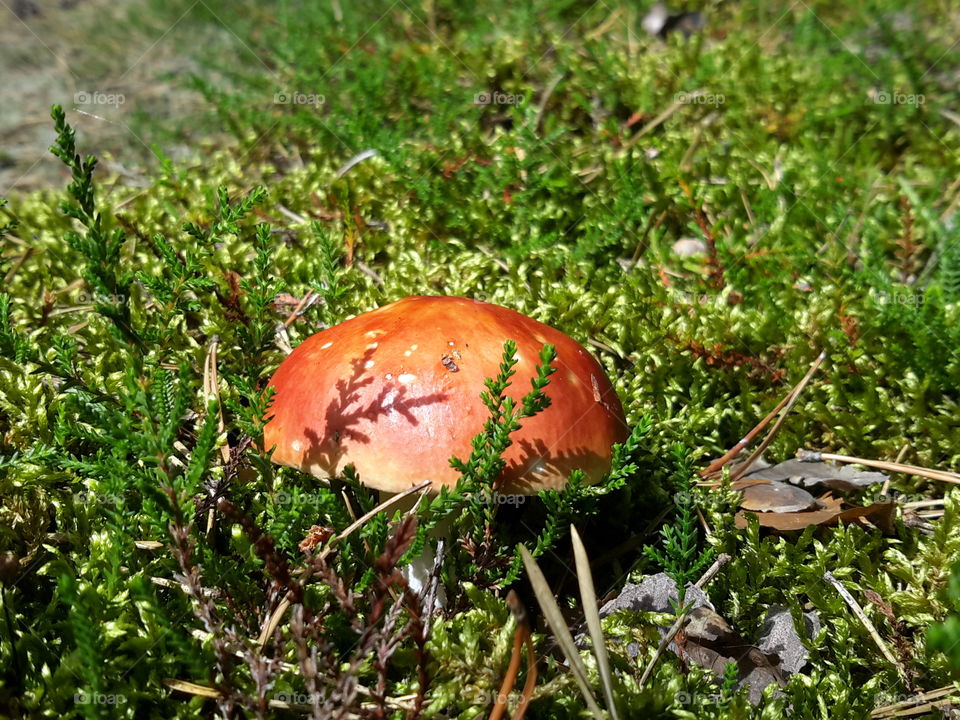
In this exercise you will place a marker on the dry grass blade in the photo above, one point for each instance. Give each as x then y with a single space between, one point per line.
531 679
765 443
551 611
521 638
711 572
362 520
544 99
189 688
921 704
211 390
305 302
715 467
942 475
284 604
865 621
148 544
689 97
592 615
506 687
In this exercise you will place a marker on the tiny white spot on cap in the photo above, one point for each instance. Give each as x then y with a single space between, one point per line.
373 346
368 364
389 376
326 345
407 353
451 343
388 399
414 347
406 377
296 445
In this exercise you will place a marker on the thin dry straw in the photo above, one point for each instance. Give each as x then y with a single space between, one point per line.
865 621
711 572
277 615
592 615
943 475
794 396
718 464
554 618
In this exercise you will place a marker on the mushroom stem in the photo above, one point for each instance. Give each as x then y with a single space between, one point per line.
419 573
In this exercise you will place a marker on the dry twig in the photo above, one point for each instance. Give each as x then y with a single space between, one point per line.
865 621
711 573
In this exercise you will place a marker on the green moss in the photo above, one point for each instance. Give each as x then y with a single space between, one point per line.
809 189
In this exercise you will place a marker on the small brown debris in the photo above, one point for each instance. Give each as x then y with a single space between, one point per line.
317 535
449 363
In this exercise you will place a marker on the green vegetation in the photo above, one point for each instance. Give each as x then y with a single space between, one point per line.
542 156
681 558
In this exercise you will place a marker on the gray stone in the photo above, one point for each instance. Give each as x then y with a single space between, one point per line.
657 593
689 247
779 637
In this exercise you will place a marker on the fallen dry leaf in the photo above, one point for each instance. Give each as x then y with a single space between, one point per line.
842 478
880 514
710 642
775 497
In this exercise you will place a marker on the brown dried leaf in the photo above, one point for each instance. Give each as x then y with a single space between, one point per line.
842 478
712 643
776 497
706 626
880 514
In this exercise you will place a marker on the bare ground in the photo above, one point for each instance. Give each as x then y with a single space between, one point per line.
117 69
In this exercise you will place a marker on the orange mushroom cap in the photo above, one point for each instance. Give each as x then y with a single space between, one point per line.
396 392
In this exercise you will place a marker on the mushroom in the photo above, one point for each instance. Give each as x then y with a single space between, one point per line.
395 392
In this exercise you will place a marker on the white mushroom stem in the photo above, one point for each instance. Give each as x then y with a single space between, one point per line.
419 573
